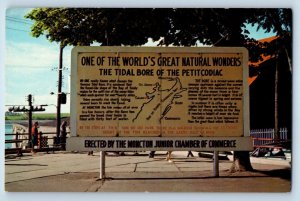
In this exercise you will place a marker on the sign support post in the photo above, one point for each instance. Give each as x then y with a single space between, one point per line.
102 165
216 164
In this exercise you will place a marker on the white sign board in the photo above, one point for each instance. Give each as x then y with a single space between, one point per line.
155 98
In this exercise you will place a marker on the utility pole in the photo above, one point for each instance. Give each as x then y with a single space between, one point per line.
31 108
58 108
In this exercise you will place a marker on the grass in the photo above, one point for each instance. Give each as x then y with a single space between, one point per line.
41 116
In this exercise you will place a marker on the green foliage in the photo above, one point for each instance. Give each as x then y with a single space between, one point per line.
19 116
83 26
177 27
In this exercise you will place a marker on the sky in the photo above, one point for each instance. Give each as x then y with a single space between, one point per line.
31 63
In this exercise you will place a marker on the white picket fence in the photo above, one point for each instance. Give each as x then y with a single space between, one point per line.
265 136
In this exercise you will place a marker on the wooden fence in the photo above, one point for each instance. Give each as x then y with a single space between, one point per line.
20 143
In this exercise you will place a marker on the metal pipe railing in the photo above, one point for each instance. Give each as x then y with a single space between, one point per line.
17 141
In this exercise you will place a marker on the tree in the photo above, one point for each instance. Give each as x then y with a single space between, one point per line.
226 27
178 27
120 26
83 26
280 22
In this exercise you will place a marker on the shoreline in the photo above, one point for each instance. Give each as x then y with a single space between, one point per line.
46 122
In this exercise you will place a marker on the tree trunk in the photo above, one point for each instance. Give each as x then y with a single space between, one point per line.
276 118
241 162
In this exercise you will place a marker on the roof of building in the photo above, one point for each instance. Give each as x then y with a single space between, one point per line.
264 58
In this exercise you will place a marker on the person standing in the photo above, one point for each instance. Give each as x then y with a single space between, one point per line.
63 135
151 154
34 136
190 153
168 158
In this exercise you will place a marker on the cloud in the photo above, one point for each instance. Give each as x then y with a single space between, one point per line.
35 55
31 55
19 82
28 71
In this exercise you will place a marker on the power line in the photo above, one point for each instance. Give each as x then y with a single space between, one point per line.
18 19
31 67
13 20
18 29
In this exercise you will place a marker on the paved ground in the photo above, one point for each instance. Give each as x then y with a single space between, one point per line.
78 172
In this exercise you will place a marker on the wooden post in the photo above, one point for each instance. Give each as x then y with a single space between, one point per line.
30 120
216 164
276 122
16 138
102 165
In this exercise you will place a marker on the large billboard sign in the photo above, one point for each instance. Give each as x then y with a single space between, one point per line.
152 95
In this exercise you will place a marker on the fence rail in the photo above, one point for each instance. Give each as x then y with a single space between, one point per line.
266 136
46 142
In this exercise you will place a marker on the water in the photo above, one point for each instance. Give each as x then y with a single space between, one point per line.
8 130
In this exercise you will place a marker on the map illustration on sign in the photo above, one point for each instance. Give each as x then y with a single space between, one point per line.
166 95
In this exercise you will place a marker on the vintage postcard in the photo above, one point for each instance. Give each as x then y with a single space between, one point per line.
148 99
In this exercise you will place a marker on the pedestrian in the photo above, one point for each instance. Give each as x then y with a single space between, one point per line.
63 135
151 154
168 158
190 154
34 136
